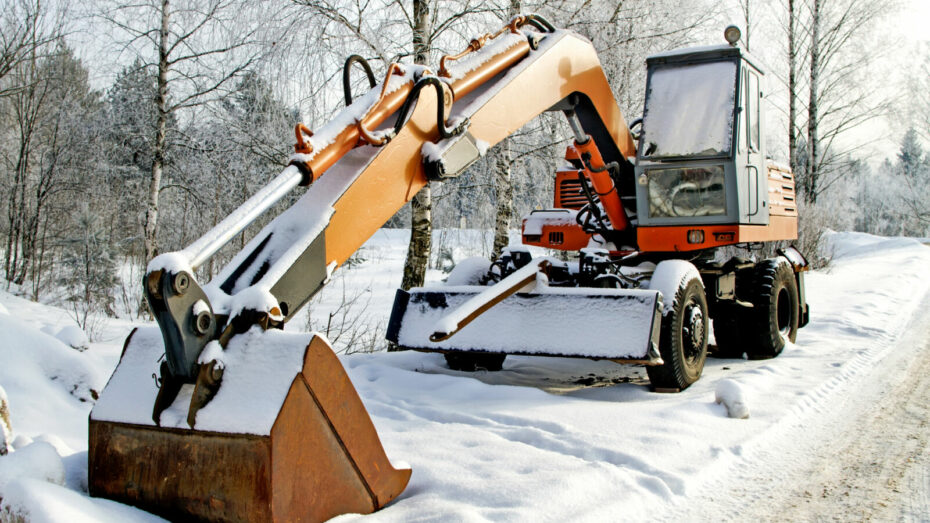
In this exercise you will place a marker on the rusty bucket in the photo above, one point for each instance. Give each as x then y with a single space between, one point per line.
315 456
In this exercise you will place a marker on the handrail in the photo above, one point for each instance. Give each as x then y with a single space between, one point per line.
474 45
751 192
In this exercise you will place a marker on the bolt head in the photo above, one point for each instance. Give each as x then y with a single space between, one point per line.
203 322
182 282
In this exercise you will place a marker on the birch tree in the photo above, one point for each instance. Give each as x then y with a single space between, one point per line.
48 113
812 176
196 50
841 92
26 28
792 87
919 86
503 179
421 220
392 32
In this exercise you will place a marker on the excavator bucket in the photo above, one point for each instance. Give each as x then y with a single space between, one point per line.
285 439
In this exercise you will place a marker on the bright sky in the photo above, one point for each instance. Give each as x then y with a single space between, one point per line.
914 20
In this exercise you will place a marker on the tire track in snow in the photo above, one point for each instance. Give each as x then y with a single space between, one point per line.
855 447
559 439
878 460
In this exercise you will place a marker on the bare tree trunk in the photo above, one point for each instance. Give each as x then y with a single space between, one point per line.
17 207
503 181
421 222
503 185
813 141
158 148
792 91
744 5
28 103
420 239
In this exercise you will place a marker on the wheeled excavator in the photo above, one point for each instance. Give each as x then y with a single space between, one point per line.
219 415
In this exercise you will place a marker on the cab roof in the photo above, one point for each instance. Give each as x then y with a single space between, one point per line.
707 52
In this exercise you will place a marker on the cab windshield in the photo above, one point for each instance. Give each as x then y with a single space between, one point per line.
689 110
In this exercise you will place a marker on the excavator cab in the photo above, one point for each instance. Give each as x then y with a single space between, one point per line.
700 157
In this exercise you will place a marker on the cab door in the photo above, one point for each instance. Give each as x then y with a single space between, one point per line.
753 185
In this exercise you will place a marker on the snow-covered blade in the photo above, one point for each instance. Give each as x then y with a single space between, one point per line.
615 324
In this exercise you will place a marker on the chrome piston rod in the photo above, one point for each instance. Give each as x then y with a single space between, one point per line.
207 245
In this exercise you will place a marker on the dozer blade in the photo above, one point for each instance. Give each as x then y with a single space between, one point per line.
286 438
615 324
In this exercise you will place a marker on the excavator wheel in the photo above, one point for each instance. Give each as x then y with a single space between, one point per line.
472 361
773 320
728 331
683 341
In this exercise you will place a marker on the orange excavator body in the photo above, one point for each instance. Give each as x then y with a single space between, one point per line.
314 452
318 454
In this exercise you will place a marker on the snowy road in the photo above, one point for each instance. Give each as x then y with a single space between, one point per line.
837 415
837 431
866 457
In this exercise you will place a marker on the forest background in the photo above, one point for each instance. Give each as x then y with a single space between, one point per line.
128 129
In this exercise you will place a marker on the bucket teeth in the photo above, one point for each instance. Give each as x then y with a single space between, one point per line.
208 383
169 386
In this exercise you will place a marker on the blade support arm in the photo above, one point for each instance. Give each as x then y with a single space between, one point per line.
522 280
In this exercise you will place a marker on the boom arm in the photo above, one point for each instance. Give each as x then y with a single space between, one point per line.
493 92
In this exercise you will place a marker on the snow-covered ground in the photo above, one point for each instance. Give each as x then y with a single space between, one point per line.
544 439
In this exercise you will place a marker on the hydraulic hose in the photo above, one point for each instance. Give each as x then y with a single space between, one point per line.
346 76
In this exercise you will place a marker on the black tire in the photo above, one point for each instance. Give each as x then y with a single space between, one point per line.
773 318
472 361
683 340
728 332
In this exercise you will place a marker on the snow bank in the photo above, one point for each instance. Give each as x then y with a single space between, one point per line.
49 385
559 439
38 460
43 502
469 271
74 337
730 394
854 245
6 428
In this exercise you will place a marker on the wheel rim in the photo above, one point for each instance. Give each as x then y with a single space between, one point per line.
783 312
692 331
